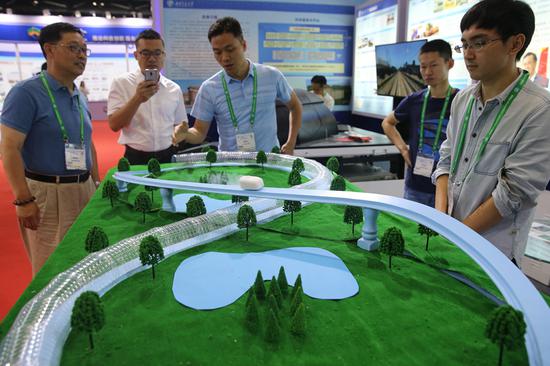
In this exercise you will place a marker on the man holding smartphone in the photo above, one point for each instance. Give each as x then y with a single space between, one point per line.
145 106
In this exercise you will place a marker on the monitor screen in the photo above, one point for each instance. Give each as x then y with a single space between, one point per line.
398 69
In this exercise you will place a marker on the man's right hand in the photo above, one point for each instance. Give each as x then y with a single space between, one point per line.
405 153
28 215
145 90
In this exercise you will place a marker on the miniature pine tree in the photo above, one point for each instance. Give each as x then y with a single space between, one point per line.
143 203
294 178
392 243
88 314
252 318
297 283
283 283
506 328
211 157
276 150
333 164
275 290
338 184
250 294
424 230
238 199
298 165
292 206
274 307
353 215
259 286
150 252
246 217
96 240
153 166
195 207
206 149
261 158
151 189
110 190
298 323
296 300
273 331
123 165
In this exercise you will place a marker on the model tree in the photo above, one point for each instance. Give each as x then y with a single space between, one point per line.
153 166
275 290
297 283
298 323
353 215
206 148
273 331
143 203
294 178
151 189
506 328
150 252
297 300
238 199
392 243
424 230
283 283
333 164
110 190
88 314
338 184
274 307
261 158
276 150
211 157
195 206
123 165
246 218
259 286
292 206
96 240
252 318
298 165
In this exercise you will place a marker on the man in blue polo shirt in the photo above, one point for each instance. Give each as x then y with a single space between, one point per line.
241 97
46 144
426 114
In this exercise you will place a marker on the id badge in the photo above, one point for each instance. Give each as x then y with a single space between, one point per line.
423 166
246 142
75 157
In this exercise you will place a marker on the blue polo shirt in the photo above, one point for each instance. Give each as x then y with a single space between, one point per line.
211 103
28 109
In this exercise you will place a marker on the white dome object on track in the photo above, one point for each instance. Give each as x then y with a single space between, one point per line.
251 183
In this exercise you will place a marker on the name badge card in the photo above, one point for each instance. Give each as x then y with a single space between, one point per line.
423 166
75 157
246 142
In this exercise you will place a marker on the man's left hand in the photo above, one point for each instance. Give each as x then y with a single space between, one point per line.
288 148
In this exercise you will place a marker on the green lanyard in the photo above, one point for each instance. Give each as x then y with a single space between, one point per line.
58 115
254 97
435 146
502 111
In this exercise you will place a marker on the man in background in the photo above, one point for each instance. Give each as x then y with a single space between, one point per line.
242 98
530 64
47 148
146 112
426 113
319 87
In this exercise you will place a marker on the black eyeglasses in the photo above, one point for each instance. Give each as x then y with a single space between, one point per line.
76 48
475 46
148 54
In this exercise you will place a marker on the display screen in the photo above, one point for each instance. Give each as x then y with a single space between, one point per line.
398 69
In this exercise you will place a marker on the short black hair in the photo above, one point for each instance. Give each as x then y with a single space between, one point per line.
319 79
507 17
531 54
148 34
52 33
225 25
440 46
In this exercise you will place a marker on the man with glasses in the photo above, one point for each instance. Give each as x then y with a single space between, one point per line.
47 147
241 98
494 163
146 112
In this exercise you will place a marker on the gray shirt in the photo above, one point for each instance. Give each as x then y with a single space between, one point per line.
514 168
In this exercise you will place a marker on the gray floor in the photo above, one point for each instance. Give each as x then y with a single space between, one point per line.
395 188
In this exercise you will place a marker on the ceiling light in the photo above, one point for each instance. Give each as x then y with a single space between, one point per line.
94 3
35 2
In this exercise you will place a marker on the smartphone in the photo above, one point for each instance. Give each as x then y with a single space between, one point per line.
151 75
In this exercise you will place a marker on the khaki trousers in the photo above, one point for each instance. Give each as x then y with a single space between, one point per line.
59 205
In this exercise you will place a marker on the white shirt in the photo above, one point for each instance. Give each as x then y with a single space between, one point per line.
153 124
328 100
